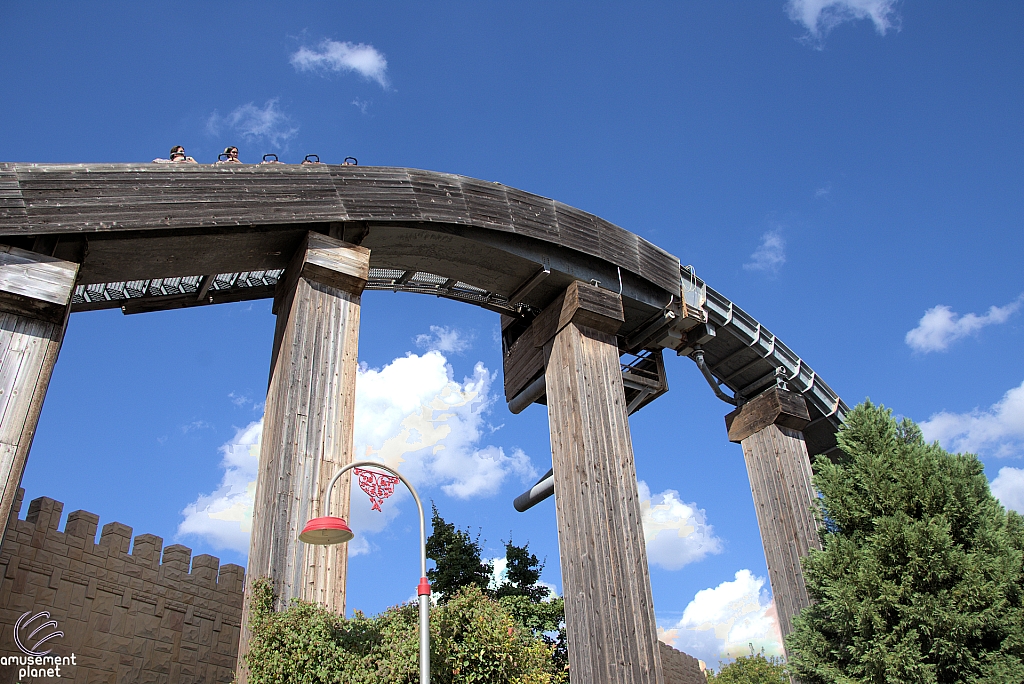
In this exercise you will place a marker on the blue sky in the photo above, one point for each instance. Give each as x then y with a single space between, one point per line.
848 172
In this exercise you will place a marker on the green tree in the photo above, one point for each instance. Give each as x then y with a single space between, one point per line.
531 603
522 574
473 639
456 556
752 669
920 579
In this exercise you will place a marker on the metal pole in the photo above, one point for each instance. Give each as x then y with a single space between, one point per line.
423 590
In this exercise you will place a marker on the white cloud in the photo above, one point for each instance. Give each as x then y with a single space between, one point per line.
444 339
723 622
411 415
332 55
676 533
195 425
997 431
362 105
941 326
770 254
224 518
819 17
254 123
418 418
1008 487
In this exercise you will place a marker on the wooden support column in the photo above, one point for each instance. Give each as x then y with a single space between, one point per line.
609 612
308 424
35 293
768 427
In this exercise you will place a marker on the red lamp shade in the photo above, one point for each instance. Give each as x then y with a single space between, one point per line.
326 530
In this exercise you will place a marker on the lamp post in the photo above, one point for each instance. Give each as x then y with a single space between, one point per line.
329 529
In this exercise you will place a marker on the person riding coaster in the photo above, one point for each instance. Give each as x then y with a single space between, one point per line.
176 156
229 156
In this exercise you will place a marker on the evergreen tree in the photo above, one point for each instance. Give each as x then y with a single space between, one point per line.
920 579
522 574
457 558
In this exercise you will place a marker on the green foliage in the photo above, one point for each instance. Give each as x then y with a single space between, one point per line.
522 595
457 559
522 574
752 669
920 579
473 639
546 621
308 644
478 641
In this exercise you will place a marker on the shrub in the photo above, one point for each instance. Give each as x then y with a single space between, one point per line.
473 639
752 669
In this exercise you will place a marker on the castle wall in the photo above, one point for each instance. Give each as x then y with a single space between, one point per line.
680 668
130 612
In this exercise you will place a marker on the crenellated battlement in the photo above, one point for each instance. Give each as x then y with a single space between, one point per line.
129 607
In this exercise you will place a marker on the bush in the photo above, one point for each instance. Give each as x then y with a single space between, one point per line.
752 669
473 639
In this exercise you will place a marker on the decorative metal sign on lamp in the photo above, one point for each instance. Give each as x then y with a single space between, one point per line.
329 529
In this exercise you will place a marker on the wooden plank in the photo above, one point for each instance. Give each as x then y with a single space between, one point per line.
376 193
658 266
336 263
308 435
620 247
102 198
609 610
36 276
583 304
577 229
773 406
28 352
12 204
591 306
116 258
532 216
487 204
439 197
35 285
780 481
796 471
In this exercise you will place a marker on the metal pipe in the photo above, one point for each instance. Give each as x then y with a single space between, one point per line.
423 590
531 393
544 488
698 358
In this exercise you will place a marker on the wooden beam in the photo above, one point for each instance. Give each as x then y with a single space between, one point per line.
609 611
40 199
585 304
768 427
113 258
308 425
34 295
35 285
775 406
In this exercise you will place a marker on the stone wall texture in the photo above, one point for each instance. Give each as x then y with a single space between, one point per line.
130 612
679 667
